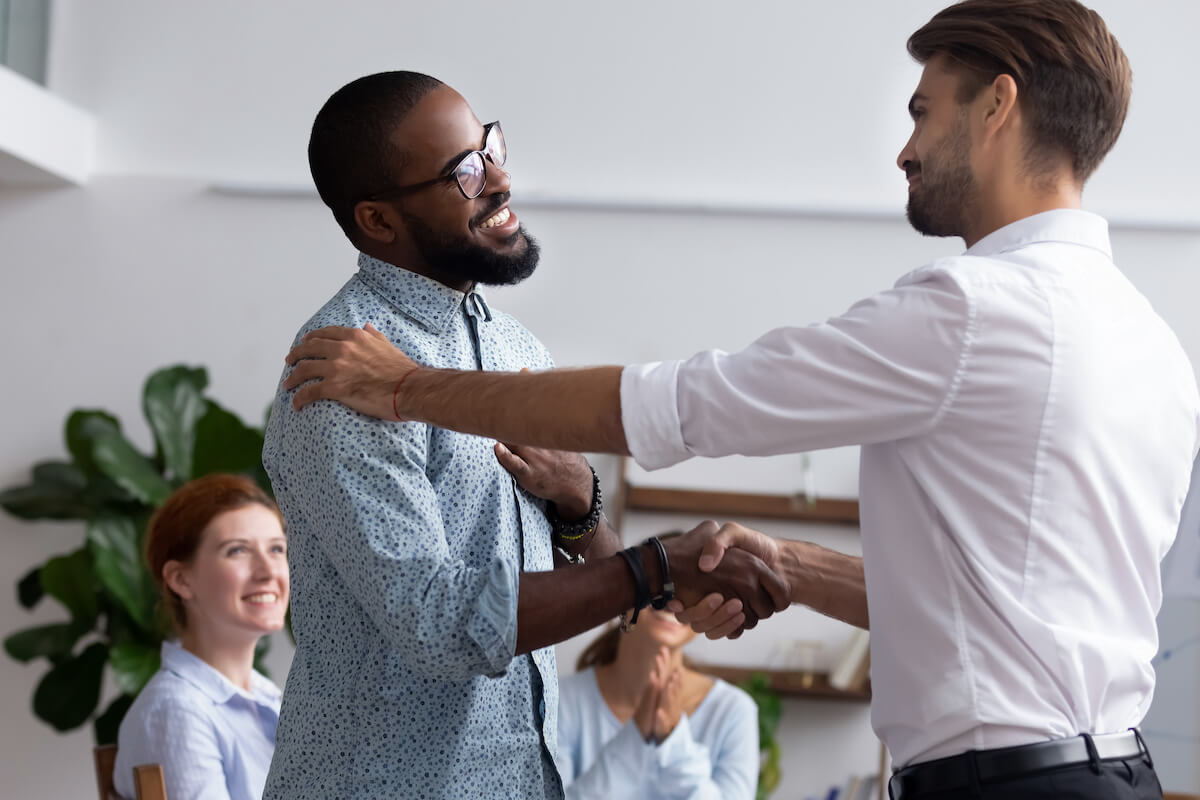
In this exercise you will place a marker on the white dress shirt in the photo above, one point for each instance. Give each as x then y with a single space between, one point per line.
213 739
1028 426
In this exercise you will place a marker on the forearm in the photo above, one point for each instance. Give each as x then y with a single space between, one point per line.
564 409
556 605
827 581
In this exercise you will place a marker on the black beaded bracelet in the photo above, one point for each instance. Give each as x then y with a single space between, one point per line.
668 585
641 595
574 531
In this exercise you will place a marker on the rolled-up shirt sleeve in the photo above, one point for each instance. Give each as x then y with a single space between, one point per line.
885 369
360 487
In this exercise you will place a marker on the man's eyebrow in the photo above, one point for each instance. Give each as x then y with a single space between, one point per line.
453 162
912 104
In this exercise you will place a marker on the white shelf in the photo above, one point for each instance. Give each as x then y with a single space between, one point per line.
44 140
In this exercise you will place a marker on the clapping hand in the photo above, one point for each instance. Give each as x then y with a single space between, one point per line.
661 705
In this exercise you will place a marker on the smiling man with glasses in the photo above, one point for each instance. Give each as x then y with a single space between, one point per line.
425 596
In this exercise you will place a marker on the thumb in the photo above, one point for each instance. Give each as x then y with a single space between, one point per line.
508 459
714 549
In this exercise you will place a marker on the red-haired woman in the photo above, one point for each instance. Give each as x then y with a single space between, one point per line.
218 552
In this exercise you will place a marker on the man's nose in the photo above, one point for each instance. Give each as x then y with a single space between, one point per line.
906 156
497 178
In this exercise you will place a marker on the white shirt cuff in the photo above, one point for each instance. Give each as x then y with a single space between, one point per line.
650 414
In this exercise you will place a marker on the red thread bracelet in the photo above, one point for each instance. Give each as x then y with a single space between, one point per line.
396 392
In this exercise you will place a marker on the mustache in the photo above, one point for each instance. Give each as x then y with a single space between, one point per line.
498 201
911 168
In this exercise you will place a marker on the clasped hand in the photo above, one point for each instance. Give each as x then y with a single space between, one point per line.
711 563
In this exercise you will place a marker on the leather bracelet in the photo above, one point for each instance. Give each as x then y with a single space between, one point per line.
641 595
668 585
574 531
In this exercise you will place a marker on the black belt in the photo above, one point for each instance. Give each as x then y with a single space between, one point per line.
991 766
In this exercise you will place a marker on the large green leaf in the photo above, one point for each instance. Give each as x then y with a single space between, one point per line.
119 460
29 588
226 444
261 648
70 580
54 642
108 724
58 491
173 402
82 426
133 665
115 546
68 694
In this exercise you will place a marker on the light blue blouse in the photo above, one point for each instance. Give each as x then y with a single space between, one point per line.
711 755
213 739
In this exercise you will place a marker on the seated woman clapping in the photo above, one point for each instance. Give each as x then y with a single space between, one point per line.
636 722
218 552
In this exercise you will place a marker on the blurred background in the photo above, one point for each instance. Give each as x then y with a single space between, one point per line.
697 173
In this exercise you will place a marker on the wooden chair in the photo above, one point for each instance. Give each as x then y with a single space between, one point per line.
147 779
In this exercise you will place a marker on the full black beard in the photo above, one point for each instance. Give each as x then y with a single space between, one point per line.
457 259
947 194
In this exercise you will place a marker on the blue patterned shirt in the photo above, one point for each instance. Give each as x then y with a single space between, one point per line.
406 543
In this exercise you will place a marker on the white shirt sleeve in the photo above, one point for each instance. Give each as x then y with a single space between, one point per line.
183 742
884 370
726 769
616 768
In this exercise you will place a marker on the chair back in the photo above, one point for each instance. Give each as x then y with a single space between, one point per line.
103 758
148 783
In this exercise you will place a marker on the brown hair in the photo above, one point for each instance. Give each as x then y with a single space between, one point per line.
1073 80
176 528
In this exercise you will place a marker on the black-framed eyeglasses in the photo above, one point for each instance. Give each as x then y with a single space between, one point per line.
470 172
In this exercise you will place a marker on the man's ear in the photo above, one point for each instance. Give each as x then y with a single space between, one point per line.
375 221
176 579
999 103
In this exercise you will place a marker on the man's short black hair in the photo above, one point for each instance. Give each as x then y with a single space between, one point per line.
350 153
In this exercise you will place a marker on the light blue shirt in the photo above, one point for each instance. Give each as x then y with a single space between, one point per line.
406 543
212 738
711 755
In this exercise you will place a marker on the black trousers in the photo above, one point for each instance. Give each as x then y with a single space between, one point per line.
1130 779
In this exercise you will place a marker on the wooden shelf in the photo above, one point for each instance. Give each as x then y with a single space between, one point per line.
733 505
790 683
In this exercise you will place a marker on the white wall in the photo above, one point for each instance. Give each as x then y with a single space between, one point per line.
800 103
145 267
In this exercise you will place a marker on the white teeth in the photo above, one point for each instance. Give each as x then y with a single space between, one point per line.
263 597
499 219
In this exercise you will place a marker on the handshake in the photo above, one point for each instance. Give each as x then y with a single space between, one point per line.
727 578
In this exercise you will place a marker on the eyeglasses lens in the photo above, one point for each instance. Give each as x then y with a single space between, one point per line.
494 145
471 175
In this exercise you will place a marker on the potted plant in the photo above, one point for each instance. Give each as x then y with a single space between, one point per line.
770 709
103 584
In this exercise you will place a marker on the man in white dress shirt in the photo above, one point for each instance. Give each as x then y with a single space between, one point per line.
1027 423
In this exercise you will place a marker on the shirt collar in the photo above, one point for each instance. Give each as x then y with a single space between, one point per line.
213 684
431 304
1060 225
